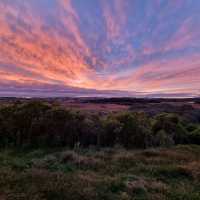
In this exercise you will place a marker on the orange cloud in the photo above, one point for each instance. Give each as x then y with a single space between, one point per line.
37 51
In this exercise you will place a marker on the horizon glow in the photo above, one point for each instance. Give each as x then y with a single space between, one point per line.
100 48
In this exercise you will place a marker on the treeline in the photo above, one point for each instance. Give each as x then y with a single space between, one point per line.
131 101
37 124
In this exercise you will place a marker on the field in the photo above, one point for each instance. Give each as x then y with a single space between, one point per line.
106 174
99 149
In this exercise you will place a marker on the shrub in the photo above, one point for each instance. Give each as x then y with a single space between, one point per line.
162 139
111 130
172 126
194 136
133 134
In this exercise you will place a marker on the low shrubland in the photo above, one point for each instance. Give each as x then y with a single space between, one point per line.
106 174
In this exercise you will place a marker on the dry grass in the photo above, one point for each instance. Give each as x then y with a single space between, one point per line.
81 160
143 184
192 169
108 174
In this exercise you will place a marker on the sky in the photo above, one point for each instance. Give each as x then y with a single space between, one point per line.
136 48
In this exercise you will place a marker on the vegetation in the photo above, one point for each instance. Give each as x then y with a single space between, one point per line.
37 124
107 174
48 152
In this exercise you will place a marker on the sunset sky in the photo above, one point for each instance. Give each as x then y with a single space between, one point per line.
100 48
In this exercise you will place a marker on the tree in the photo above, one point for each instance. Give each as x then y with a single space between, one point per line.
111 130
172 126
133 134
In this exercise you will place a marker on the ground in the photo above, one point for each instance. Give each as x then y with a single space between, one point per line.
106 174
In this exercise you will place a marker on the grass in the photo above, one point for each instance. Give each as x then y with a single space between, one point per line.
107 174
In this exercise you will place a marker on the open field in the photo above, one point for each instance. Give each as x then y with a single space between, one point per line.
106 174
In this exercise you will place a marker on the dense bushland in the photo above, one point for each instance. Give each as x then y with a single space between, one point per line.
37 124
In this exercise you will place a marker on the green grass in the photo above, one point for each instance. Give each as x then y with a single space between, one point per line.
108 174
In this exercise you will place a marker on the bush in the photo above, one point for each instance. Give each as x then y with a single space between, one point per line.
111 131
38 124
172 126
162 139
194 136
133 134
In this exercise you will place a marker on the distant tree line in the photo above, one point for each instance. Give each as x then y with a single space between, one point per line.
131 101
38 124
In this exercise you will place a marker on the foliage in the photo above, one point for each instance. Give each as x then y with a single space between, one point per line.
194 136
38 124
